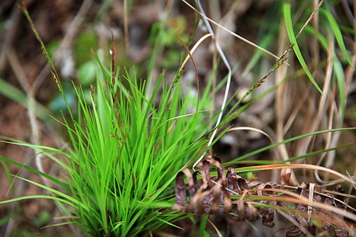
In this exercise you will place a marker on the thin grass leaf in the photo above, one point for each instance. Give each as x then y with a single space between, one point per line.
321 38
23 198
295 158
6 219
285 142
45 52
289 26
8 174
23 166
15 94
340 79
258 54
65 198
337 33
202 226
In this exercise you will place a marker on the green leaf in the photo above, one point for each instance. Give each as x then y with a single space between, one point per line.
87 72
337 33
15 94
289 26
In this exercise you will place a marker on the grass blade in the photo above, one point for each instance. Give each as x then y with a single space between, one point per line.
289 26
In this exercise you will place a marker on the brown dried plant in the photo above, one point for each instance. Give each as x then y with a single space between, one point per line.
312 210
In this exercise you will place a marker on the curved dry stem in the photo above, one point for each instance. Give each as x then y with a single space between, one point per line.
297 166
258 131
227 88
231 32
193 50
298 199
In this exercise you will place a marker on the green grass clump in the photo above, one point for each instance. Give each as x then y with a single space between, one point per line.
124 151
124 154
128 152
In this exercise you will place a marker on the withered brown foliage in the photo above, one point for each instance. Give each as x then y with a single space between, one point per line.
227 196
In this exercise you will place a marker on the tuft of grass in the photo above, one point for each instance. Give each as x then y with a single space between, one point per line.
124 151
124 154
